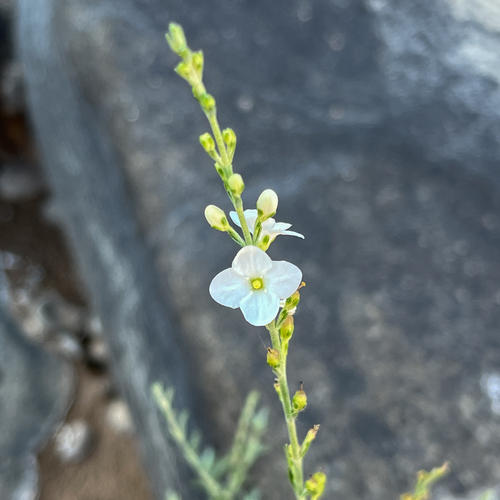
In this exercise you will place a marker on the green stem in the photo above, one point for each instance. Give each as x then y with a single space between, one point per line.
238 205
227 166
236 237
280 371
221 146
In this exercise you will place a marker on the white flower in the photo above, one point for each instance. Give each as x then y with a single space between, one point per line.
269 227
255 284
267 204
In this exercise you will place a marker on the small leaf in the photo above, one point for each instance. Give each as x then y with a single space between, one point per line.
207 458
182 420
195 440
172 495
253 495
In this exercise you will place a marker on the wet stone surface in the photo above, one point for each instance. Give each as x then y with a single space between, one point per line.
377 126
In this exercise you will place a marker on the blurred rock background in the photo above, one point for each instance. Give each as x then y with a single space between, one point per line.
57 397
377 122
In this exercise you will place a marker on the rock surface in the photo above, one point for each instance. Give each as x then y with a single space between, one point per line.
35 392
377 123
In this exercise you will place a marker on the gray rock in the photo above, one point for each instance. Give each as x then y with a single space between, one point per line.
68 346
35 392
118 417
12 87
382 144
19 183
74 441
98 352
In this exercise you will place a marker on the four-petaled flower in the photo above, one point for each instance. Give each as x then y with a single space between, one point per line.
269 227
255 284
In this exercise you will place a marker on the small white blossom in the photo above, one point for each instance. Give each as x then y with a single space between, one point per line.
267 204
216 218
270 227
255 284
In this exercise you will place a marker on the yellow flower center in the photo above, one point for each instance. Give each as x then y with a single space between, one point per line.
257 284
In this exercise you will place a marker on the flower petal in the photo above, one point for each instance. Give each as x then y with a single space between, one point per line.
292 233
260 308
283 279
281 226
229 288
252 262
250 217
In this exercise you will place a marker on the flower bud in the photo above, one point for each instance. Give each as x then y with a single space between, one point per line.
182 69
286 329
198 63
207 142
216 218
273 357
229 138
310 437
236 184
293 301
207 102
299 401
176 38
267 204
315 485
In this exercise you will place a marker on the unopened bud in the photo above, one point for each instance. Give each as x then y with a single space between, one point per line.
236 184
310 436
286 329
216 218
293 301
207 142
182 69
176 38
207 102
198 63
267 204
273 357
315 485
229 139
311 433
299 400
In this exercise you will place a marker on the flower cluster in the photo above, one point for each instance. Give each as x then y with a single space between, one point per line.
254 283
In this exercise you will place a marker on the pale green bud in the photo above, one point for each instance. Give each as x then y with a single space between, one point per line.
299 400
286 329
229 139
273 357
315 485
267 204
198 63
236 184
176 38
216 218
207 101
293 301
310 437
182 69
207 142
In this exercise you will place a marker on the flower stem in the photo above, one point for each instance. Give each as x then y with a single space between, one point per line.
238 205
225 162
284 394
